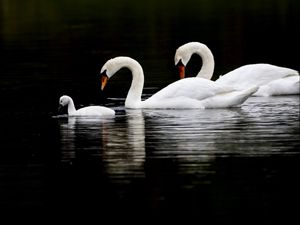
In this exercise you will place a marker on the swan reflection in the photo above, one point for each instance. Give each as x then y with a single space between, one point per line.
187 137
239 131
120 149
190 140
83 134
124 152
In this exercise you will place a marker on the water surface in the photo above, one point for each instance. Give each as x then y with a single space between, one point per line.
231 166
218 164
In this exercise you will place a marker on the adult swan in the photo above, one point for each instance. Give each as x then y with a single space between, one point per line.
185 93
271 80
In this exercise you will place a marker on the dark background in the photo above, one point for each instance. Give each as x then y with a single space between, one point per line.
54 47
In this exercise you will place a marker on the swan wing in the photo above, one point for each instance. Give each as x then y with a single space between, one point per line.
284 86
94 111
255 74
193 88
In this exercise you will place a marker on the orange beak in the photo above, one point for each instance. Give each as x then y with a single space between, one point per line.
181 69
104 79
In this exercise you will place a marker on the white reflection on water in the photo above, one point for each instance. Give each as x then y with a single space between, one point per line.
118 143
124 149
192 139
261 126
82 133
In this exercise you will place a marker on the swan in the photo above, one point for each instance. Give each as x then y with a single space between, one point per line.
86 111
185 93
271 79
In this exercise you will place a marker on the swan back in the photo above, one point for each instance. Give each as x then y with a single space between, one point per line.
100 111
197 93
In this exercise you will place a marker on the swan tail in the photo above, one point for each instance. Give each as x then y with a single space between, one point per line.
296 87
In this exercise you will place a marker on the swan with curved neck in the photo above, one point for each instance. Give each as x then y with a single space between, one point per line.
184 53
86 111
185 93
271 79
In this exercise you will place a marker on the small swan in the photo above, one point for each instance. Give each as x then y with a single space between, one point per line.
185 93
271 80
86 111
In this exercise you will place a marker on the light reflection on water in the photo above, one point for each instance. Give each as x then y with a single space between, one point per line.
192 138
119 142
217 164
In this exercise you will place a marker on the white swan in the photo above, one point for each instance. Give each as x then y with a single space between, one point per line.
86 111
272 80
185 93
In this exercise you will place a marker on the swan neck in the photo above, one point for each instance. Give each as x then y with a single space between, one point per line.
71 107
133 99
208 62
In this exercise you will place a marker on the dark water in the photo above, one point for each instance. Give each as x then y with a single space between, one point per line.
231 166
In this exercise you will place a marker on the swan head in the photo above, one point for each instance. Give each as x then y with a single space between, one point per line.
182 57
107 71
184 53
109 68
64 100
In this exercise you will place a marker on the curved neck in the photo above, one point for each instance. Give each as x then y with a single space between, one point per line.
208 62
71 107
133 99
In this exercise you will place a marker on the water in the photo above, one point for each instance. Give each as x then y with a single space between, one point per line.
231 166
